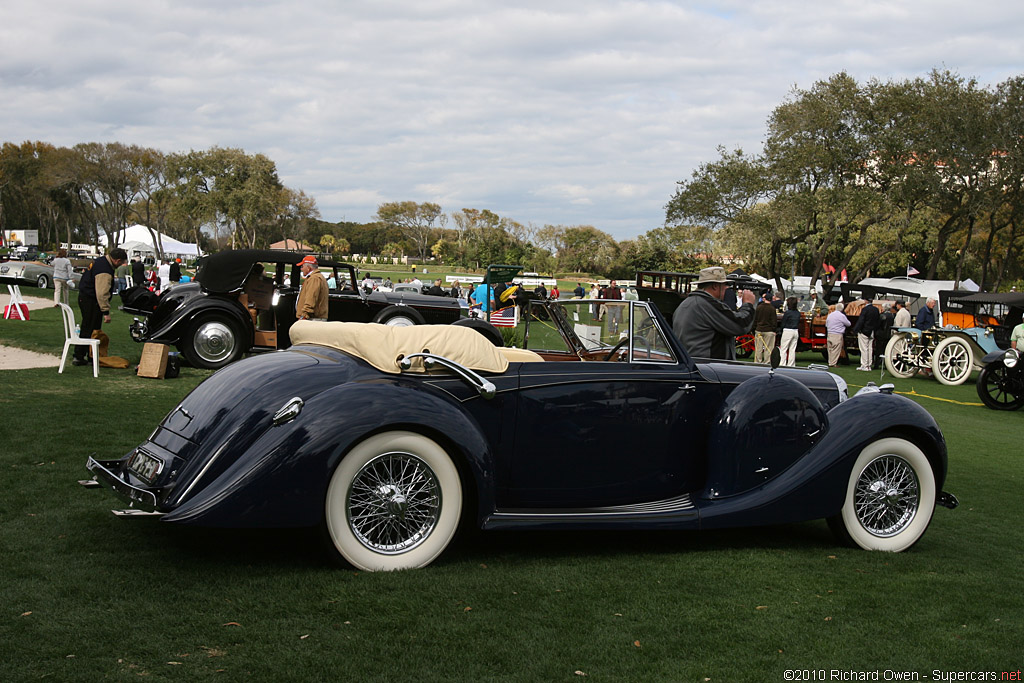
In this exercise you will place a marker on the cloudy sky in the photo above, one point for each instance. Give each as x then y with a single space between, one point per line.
564 112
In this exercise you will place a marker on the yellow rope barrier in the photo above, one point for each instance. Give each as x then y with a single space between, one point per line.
913 392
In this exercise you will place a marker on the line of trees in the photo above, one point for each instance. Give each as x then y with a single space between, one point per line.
211 197
865 177
873 178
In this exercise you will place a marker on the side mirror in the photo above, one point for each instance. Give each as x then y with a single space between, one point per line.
776 358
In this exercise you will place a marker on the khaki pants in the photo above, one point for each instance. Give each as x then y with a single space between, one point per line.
60 292
835 348
867 351
764 342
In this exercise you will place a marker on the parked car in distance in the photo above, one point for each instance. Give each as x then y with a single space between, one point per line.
389 438
35 273
244 301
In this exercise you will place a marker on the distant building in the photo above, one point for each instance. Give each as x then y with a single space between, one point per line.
291 245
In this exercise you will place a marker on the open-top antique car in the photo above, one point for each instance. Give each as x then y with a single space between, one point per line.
974 326
391 437
244 300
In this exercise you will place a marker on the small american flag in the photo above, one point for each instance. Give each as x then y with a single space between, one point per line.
506 317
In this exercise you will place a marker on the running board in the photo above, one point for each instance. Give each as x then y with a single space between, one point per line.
135 512
679 512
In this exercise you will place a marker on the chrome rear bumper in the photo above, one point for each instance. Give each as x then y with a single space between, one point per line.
106 476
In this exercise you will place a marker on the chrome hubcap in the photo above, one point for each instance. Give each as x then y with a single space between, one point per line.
214 342
393 503
887 496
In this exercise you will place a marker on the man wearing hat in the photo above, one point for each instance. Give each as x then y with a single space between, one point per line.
705 325
312 301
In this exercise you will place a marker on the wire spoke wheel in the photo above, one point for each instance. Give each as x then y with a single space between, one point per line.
887 496
393 503
890 497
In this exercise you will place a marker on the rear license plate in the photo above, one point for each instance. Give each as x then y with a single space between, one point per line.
144 466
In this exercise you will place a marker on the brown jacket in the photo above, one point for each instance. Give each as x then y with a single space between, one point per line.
312 298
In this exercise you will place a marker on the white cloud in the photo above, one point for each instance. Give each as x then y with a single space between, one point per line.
581 112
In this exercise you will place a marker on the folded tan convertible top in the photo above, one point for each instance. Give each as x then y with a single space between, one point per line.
382 346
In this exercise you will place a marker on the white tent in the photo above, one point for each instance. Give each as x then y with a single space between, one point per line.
138 241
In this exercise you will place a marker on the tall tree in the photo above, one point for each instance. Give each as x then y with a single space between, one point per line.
416 221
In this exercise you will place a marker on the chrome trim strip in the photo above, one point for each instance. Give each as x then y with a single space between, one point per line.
677 504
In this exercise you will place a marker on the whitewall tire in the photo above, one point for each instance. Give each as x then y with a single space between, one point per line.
952 361
394 502
890 497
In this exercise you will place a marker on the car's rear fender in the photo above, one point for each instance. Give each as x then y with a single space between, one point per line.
814 486
171 329
282 479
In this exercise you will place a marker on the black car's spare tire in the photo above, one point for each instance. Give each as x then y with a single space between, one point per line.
490 332
399 316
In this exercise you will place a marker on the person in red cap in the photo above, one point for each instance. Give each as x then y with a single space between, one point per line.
313 295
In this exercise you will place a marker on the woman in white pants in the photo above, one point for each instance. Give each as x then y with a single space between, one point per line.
790 333
61 277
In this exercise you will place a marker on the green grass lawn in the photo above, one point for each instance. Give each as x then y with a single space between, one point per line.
88 596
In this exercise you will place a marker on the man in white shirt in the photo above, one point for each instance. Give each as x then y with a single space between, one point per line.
902 318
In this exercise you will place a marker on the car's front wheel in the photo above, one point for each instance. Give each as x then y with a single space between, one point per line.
952 361
1000 388
890 497
394 502
43 282
211 342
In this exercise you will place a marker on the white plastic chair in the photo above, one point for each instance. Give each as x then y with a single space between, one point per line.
71 338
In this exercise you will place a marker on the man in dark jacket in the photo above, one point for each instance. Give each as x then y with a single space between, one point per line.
705 325
926 316
766 320
138 272
94 292
868 321
176 270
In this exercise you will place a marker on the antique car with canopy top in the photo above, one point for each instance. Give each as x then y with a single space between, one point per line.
390 438
974 327
244 301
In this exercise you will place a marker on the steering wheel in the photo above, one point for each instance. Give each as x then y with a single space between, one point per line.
622 342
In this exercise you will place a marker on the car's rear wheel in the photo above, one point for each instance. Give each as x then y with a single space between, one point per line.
1000 388
897 356
399 316
211 342
43 282
952 361
394 502
890 497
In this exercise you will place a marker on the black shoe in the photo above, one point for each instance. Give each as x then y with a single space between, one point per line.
80 361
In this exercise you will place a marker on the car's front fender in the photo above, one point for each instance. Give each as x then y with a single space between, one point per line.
283 477
814 486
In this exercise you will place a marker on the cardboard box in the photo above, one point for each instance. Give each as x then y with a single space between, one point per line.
154 361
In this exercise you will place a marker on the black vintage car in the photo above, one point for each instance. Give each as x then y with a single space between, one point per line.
390 438
244 300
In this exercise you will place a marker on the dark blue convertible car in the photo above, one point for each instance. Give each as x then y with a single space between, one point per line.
391 437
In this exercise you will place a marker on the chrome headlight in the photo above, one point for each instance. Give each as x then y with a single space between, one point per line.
1011 358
